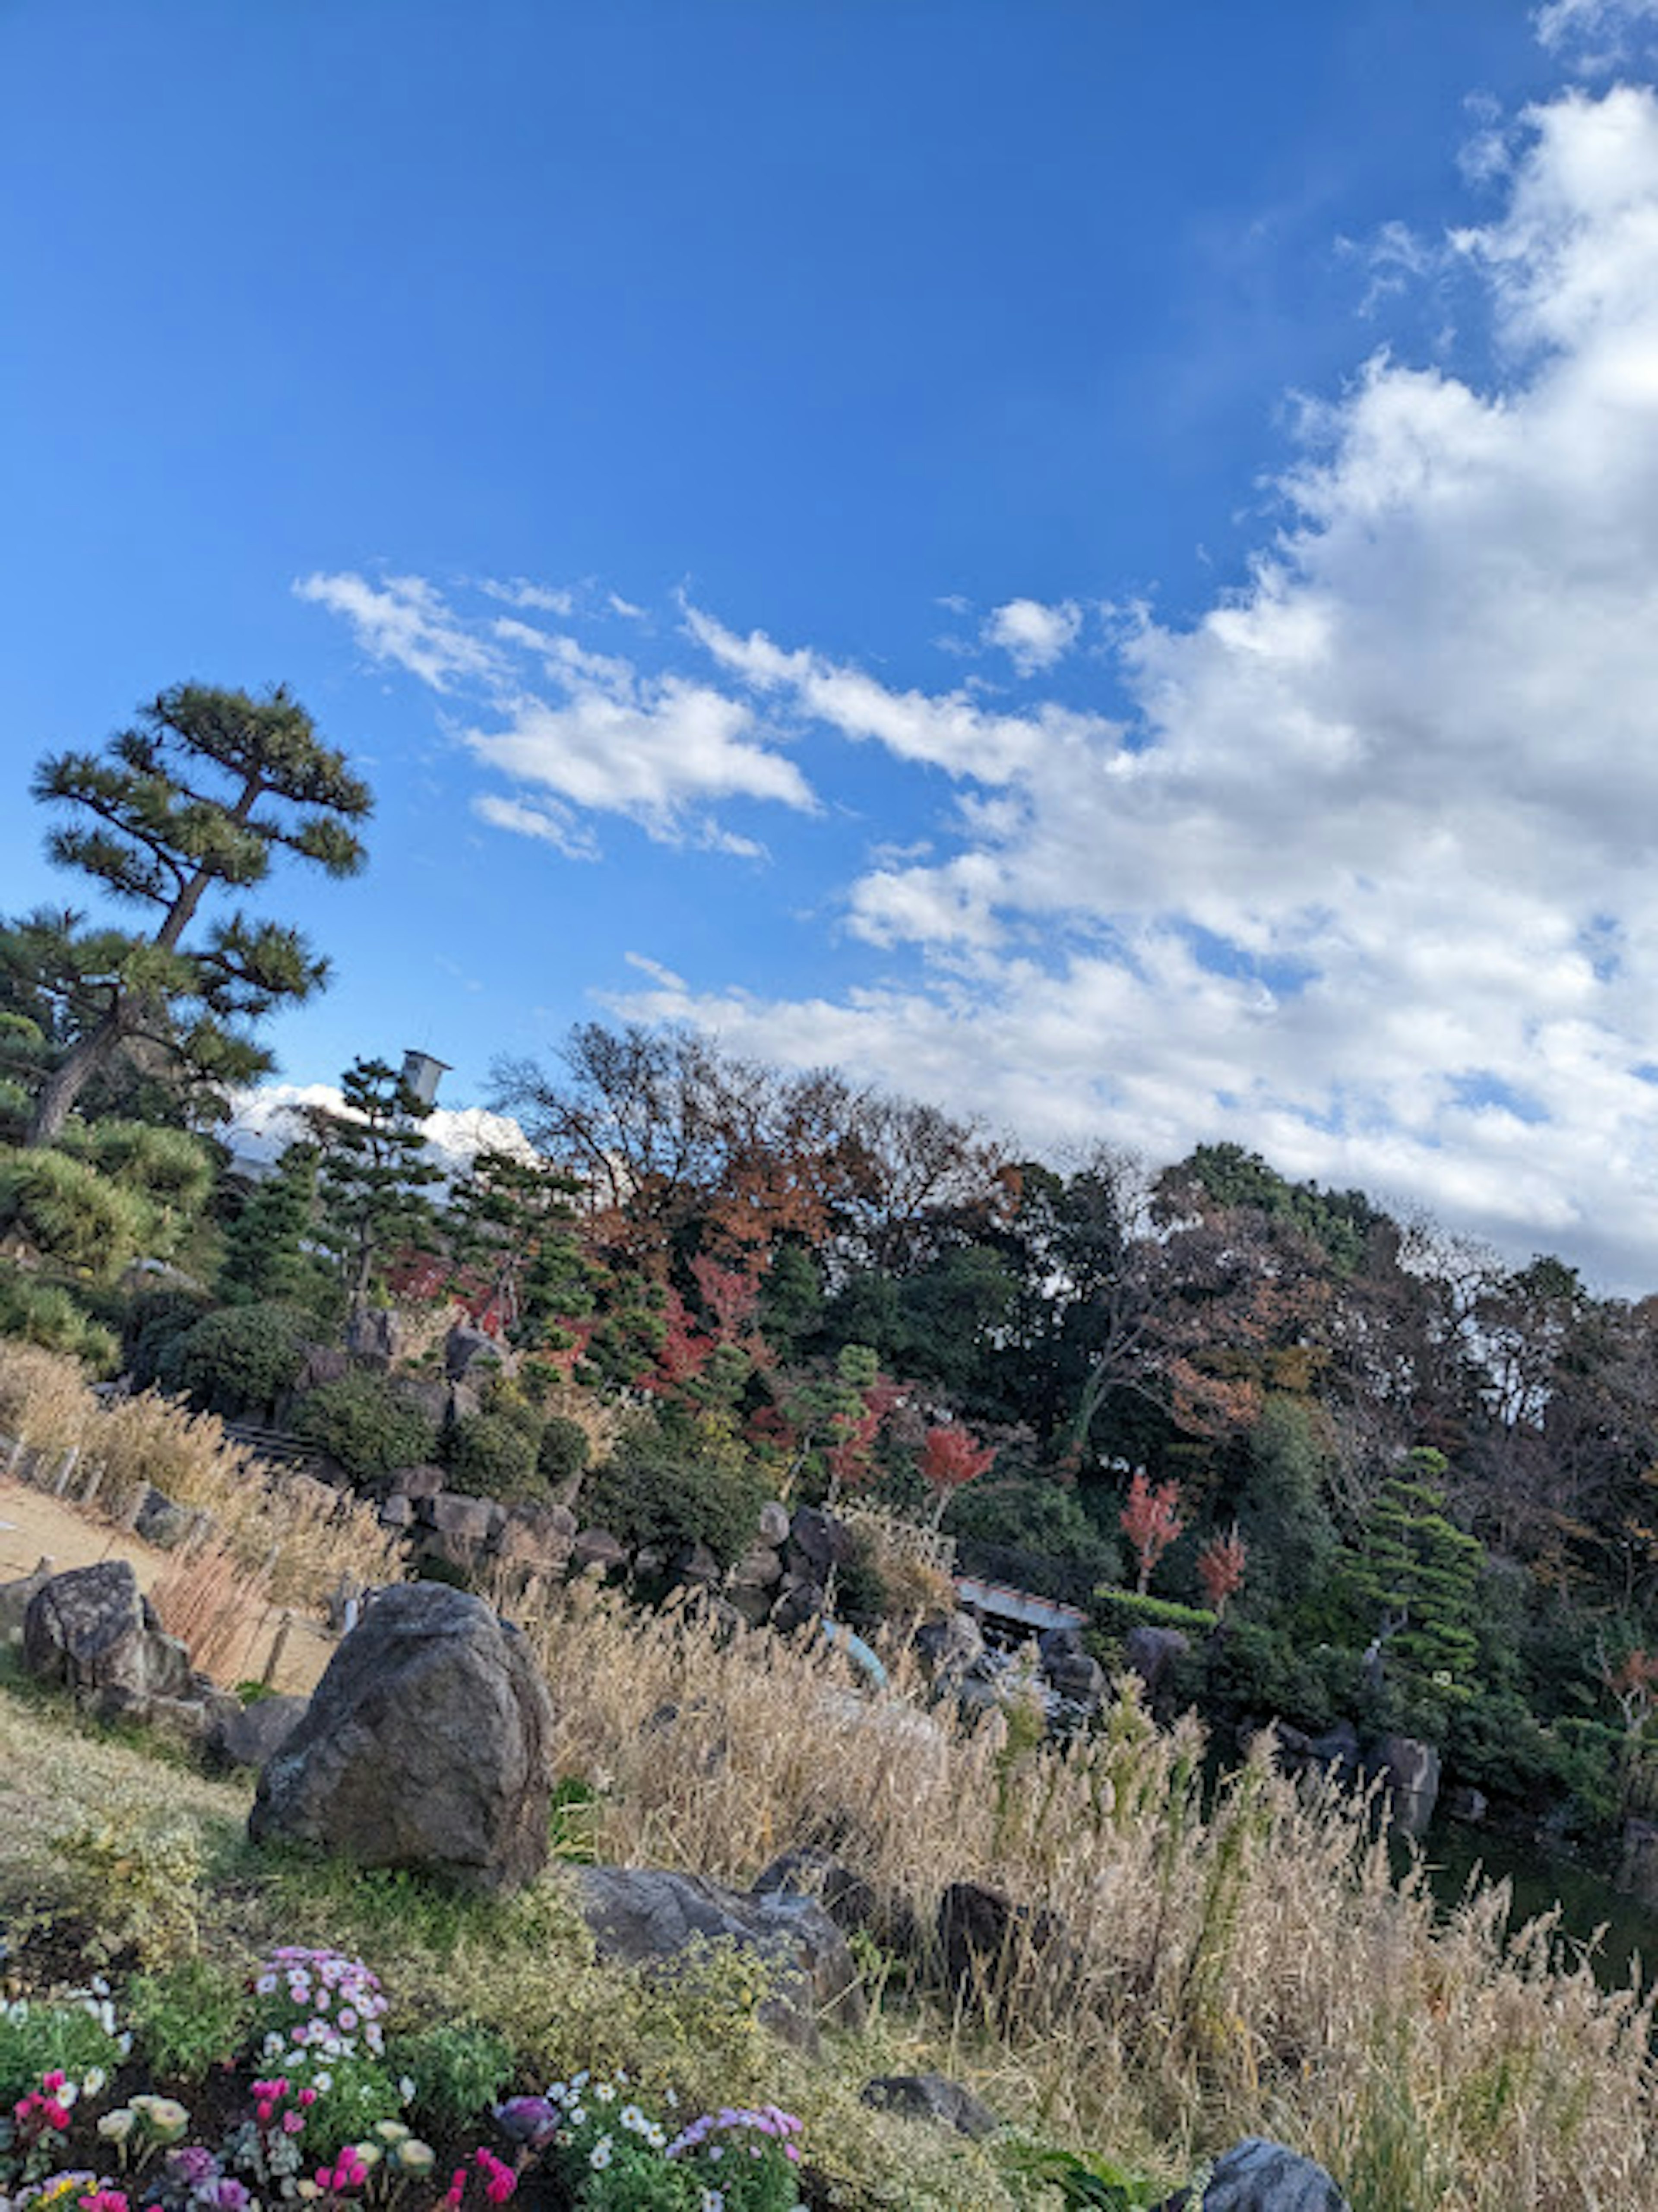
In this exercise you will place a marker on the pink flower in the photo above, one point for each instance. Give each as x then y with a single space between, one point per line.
294 2124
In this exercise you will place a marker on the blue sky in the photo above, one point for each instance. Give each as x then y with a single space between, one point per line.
1092 562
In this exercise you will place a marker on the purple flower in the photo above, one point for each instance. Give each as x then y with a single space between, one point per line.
531 2120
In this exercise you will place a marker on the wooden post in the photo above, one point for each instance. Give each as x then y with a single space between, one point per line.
95 1484
278 1645
66 1470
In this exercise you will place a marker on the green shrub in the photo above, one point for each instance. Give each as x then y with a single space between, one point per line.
563 1451
169 1167
675 1481
186 2018
45 1314
68 2035
70 1214
154 1322
137 1876
1250 1670
458 2068
1117 1611
1029 1514
491 1455
366 1424
240 1359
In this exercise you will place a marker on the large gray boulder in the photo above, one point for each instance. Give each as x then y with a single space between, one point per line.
1409 1769
1150 1652
1257 2176
645 1917
425 1746
950 1646
88 1631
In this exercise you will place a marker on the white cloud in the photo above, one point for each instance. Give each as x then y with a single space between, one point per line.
540 598
583 732
265 1120
1033 635
405 621
1371 885
1597 34
948 731
554 825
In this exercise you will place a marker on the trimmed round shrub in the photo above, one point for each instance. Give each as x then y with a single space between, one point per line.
491 1455
666 1489
239 1359
368 1426
153 1323
564 1451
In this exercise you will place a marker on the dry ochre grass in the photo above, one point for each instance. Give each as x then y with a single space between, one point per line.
1246 1966
290 1541
1243 1965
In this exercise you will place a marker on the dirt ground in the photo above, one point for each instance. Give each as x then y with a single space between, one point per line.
34 1525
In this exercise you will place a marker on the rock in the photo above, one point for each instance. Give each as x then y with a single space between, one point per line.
950 1647
192 1721
16 1597
471 1355
754 1605
817 1541
989 1945
1638 1865
535 1536
88 1631
1410 1769
597 1548
1257 2176
759 1568
425 1746
933 2097
415 1481
648 1918
397 1512
1150 1652
855 1905
374 1337
160 1522
1335 1752
324 1363
696 1564
250 1734
799 1600
1078 1677
1467 1804
470 1519
775 1524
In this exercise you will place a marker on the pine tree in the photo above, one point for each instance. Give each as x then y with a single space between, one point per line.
1416 1575
270 1249
375 1171
191 803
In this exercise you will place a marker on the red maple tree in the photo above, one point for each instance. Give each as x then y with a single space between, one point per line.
951 1457
1220 1568
1150 1521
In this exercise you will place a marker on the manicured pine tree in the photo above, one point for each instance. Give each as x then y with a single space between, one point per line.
191 803
375 1171
1415 1576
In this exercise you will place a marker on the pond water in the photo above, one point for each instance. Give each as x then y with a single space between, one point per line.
1587 1902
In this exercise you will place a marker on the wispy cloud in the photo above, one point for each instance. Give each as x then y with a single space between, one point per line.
1596 35
405 620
